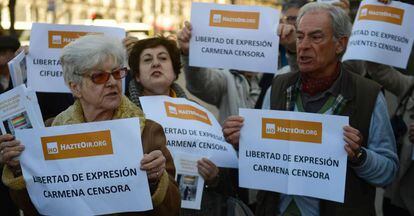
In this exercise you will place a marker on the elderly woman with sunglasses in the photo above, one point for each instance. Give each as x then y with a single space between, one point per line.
93 69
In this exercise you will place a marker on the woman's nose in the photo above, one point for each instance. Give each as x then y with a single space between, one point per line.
155 63
111 81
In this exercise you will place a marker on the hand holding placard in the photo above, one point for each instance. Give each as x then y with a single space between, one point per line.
184 36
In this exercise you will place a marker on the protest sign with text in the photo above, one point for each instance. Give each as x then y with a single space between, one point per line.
190 128
234 37
293 153
382 33
19 109
18 69
46 44
85 169
190 183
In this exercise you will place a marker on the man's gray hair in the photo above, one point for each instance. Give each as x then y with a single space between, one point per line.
90 52
341 23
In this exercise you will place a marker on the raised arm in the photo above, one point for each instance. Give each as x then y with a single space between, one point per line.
207 84
391 79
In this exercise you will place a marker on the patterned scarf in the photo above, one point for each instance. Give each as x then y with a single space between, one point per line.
313 86
292 92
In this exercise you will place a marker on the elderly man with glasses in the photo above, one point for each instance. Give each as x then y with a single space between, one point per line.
322 35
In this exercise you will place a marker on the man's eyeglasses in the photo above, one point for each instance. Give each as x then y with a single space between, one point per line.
102 77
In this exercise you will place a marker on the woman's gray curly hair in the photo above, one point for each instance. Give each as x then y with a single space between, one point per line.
89 52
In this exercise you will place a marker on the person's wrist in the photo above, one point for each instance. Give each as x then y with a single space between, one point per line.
16 172
184 53
213 182
359 158
153 186
291 49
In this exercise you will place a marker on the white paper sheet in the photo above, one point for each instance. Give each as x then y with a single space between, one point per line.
293 153
85 169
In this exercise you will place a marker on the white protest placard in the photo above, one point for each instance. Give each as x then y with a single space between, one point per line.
18 69
46 43
293 153
190 183
85 169
382 33
33 105
234 37
190 128
19 110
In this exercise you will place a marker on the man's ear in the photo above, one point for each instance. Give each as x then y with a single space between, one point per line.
75 88
341 45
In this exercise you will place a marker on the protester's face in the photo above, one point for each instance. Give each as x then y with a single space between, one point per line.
156 71
5 56
316 47
290 16
106 96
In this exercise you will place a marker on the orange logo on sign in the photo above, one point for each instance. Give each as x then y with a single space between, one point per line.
292 130
77 145
59 39
234 19
381 13
184 111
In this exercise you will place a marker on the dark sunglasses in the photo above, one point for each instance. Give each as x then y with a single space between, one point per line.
103 76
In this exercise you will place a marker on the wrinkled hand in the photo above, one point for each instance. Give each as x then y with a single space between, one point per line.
344 4
154 164
129 43
287 34
207 169
353 141
411 132
385 1
184 36
10 148
231 130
